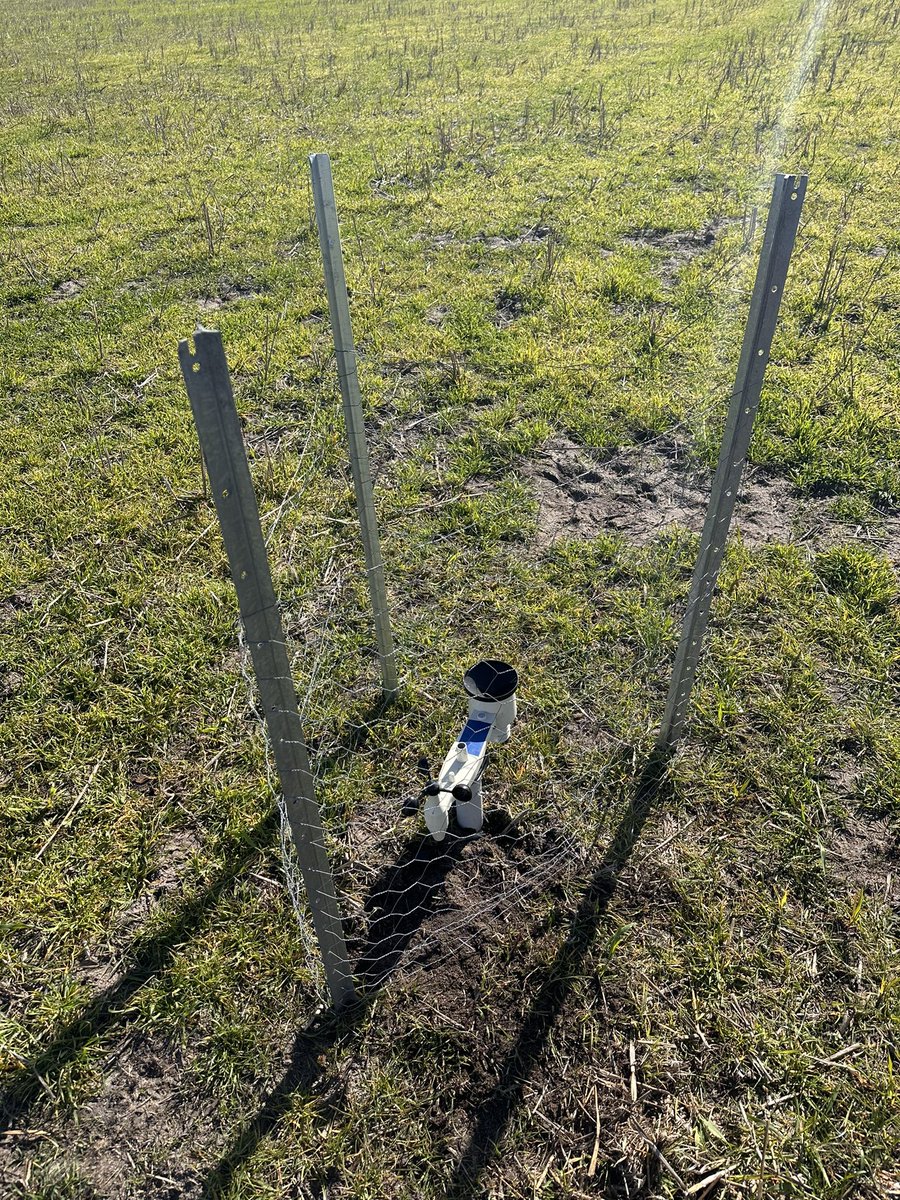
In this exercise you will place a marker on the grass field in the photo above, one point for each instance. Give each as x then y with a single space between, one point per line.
548 223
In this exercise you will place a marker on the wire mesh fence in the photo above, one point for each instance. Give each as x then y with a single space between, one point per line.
406 899
459 548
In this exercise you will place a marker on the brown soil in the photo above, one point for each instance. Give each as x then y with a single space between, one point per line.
641 491
865 856
424 902
146 1133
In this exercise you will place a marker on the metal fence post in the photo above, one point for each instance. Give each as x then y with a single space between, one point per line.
775 256
212 402
345 353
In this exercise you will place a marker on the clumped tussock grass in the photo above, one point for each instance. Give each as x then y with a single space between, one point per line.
548 215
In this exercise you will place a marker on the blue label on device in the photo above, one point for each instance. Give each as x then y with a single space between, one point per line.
475 735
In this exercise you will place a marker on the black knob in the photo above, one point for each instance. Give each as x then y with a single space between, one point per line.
461 792
431 789
411 805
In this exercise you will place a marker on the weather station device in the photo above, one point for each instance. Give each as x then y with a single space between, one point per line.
491 688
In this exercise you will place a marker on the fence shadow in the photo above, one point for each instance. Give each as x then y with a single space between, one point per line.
497 1108
399 901
147 956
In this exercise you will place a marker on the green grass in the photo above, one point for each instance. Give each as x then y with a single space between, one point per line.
523 192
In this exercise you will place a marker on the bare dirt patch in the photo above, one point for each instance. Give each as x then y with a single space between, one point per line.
422 902
138 287
865 856
266 443
437 314
841 776
146 1133
680 245
10 682
15 602
881 534
509 306
67 290
528 237
534 235
228 293
642 490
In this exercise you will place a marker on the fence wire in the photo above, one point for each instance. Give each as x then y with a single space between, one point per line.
409 902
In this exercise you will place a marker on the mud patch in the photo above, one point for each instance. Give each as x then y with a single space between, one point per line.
642 491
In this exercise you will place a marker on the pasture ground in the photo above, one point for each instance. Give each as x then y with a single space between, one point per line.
547 222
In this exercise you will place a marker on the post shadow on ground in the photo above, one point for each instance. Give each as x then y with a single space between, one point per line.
404 894
495 1111
398 903
147 957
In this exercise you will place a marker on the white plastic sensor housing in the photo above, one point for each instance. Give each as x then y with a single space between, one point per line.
491 688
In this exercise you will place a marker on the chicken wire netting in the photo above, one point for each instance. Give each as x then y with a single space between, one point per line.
457 553
475 526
